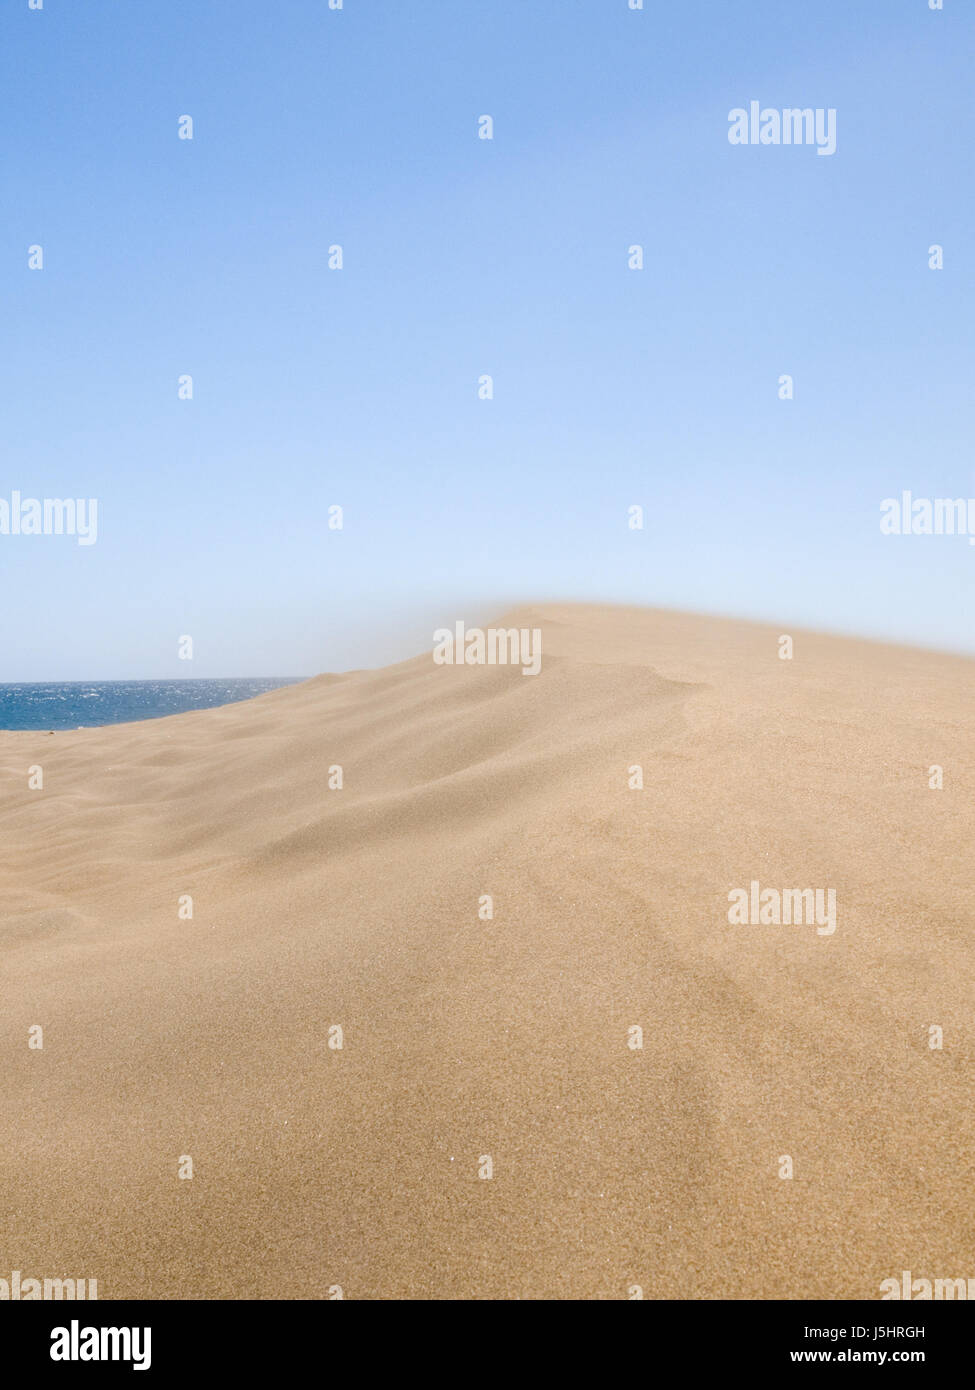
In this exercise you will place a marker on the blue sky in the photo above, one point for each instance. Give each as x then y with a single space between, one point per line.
462 256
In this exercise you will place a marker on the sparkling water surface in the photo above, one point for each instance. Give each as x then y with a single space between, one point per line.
73 704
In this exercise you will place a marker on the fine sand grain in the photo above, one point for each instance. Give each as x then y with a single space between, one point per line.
612 1166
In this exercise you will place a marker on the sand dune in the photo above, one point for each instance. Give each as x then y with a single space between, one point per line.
612 1166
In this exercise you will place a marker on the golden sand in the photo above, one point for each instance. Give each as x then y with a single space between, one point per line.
464 1037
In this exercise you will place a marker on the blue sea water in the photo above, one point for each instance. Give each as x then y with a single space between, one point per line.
74 704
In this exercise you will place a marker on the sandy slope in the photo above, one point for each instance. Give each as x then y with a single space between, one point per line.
612 1167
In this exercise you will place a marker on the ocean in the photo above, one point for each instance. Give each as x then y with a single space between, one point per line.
88 704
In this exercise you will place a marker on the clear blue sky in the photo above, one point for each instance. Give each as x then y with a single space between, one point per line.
463 257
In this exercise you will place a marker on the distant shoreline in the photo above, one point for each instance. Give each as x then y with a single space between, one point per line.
62 706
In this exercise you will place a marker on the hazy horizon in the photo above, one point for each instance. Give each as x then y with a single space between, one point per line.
480 615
